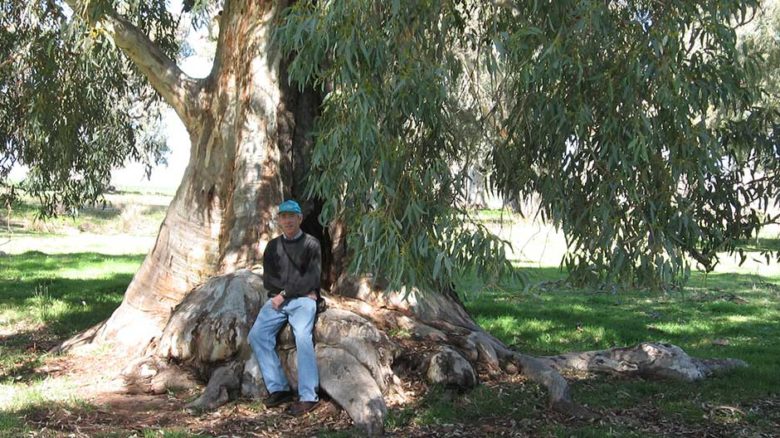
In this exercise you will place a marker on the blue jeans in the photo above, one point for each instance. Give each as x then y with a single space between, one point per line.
300 313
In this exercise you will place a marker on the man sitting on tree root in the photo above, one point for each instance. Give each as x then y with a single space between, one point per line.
291 274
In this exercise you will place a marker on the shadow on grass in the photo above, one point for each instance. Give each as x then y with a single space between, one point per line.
23 353
728 315
16 268
42 307
636 408
164 416
61 304
68 307
119 417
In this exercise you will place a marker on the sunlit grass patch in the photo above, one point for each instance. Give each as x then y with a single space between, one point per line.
19 397
48 267
733 314
65 290
46 298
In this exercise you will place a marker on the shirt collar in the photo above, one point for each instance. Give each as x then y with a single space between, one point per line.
300 233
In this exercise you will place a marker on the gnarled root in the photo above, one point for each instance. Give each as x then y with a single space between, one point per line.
647 360
350 383
442 317
434 337
207 334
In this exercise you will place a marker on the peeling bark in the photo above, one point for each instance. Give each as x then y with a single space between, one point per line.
242 121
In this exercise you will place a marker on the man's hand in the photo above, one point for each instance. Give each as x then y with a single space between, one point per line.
312 295
277 301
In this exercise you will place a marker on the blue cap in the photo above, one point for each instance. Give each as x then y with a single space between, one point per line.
290 206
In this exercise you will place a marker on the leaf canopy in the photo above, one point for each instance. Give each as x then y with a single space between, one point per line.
639 125
644 128
71 106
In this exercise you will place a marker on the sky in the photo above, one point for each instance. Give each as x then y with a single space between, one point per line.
167 177
163 177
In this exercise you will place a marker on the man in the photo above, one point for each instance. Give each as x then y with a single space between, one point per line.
291 275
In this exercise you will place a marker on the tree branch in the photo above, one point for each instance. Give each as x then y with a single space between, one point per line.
177 88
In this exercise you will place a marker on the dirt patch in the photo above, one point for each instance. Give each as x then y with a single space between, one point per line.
119 244
105 410
108 412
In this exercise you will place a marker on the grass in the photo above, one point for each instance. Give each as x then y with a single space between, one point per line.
718 315
43 300
66 292
734 312
46 298
123 212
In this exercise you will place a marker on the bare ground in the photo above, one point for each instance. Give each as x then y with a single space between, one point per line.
106 411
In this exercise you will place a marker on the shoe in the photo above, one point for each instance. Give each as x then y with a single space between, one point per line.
299 408
278 398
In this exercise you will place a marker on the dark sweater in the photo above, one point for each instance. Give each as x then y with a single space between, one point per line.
292 265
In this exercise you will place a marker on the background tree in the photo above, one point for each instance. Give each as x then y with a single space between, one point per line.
761 38
73 107
606 110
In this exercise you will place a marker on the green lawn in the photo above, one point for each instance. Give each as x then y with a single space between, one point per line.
721 315
62 292
735 312
44 299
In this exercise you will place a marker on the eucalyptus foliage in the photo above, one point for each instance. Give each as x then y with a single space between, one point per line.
762 37
392 133
71 106
643 127
637 123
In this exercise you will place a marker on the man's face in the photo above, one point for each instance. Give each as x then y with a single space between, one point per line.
290 223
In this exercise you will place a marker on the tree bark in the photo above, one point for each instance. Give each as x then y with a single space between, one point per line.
243 124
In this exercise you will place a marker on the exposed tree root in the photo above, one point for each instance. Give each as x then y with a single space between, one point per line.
360 365
647 360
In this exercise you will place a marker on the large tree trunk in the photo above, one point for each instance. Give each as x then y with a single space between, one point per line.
198 291
249 139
